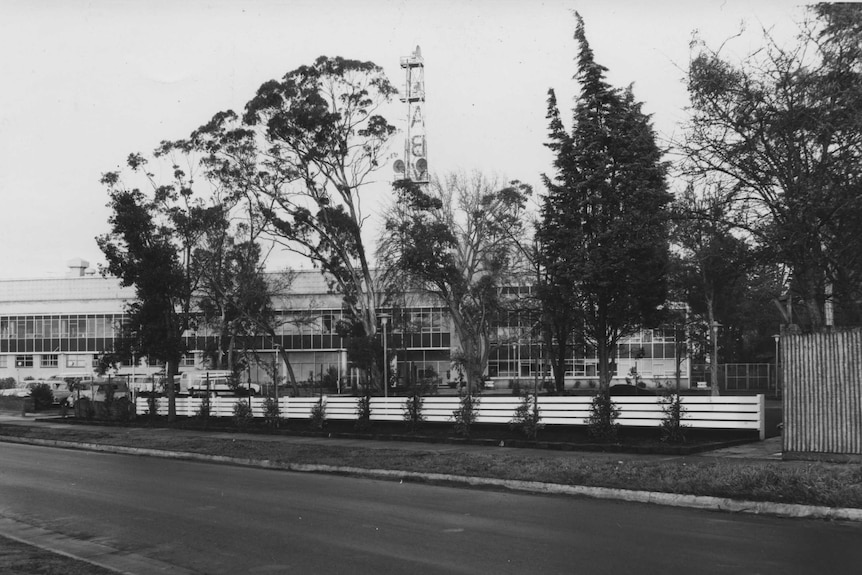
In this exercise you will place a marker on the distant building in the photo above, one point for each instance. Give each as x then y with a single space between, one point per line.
59 326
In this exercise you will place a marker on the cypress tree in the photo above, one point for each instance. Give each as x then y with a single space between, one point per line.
604 229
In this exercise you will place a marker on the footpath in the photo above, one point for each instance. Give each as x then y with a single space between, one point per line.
755 453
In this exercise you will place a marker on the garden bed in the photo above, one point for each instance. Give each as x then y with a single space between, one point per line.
565 438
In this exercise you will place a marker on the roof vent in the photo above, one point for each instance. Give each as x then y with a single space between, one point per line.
77 268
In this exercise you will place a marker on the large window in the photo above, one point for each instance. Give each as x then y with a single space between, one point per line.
23 361
77 360
50 360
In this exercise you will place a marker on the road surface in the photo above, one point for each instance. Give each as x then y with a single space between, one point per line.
219 519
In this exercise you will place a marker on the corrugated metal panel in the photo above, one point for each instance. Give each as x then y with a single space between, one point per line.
822 375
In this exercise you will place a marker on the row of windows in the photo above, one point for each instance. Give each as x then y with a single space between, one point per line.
420 320
325 322
514 332
57 326
528 368
48 360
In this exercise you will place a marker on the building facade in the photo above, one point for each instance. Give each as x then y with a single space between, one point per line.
60 326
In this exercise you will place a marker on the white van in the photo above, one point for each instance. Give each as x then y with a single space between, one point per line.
144 383
215 383
97 390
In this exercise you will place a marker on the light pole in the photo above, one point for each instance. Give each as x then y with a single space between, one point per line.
715 326
384 321
515 370
776 337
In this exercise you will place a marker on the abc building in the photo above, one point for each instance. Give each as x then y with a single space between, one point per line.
58 326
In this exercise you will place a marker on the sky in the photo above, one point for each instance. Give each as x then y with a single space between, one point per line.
87 82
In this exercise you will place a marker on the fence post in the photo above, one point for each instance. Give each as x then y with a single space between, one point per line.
761 409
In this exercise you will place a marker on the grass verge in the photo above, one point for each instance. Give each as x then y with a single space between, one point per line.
809 483
18 558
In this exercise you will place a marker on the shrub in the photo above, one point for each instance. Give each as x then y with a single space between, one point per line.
204 409
120 409
634 378
271 412
42 396
318 416
242 414
527 418
363 413
152 408
466 414
413 412
672 428
84 409
7 383
601 424
516 387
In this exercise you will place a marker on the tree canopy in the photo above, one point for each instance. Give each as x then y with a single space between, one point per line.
151 246
301 155
604 228
783 128
458 240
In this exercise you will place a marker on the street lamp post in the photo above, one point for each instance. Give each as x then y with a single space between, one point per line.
776 337
715 326
384 321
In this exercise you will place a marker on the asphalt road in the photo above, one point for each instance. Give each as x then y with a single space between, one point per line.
220 519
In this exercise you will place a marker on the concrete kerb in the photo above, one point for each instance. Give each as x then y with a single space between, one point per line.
659 498
92 552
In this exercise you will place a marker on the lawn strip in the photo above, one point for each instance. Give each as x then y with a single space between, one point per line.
814 483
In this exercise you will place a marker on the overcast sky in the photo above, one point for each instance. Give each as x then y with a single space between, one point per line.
86 82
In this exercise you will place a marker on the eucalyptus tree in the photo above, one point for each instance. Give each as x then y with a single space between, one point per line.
457 241
237 299
303 154
323 124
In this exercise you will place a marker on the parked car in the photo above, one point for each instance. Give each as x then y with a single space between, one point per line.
60 388
17 391
626 389
215 383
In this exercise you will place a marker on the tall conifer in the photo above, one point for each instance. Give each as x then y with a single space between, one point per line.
604 228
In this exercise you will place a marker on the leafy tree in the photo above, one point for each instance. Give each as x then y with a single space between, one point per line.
236 297
235 292
322 128
457 242
604 231
301 156
783 128
712 264
722 278
150 246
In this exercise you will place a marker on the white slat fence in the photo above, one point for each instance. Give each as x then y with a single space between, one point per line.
701 412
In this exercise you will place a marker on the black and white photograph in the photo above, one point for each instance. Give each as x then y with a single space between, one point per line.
441 286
